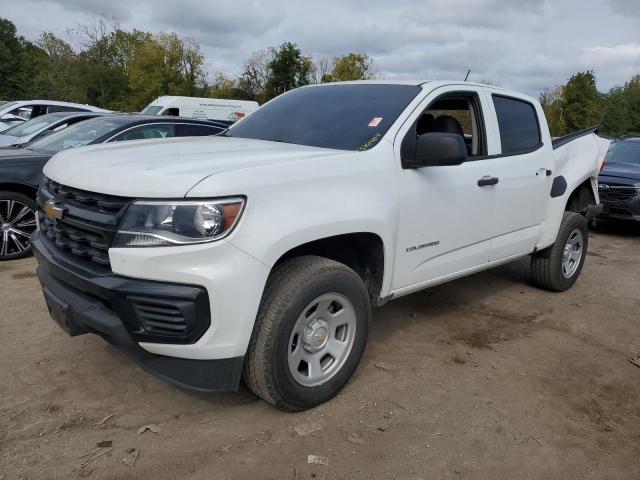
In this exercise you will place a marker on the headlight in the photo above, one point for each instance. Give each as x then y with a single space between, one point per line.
167 223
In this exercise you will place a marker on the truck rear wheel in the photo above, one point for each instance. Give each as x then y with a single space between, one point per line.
557 267
309 334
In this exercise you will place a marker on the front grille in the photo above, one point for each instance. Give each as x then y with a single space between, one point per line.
618 193
89 220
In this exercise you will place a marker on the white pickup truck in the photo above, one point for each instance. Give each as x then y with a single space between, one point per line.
259 253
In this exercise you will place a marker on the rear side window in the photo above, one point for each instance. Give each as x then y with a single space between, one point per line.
518 123
64 108
186 130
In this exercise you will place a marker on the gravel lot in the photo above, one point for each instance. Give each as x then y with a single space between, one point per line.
484 378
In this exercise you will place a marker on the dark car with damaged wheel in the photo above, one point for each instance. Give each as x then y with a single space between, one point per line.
21 168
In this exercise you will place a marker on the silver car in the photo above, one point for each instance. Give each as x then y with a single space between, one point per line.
41 126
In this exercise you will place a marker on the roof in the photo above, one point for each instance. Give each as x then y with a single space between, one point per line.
416 82
56 102
433 84
134 118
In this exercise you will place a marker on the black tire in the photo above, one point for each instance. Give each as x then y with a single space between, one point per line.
290 288
14 245
546 265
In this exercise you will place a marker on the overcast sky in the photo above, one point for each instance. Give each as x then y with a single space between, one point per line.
527 45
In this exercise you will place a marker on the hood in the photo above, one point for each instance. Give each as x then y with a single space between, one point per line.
7 140
629 171
21 156
167 168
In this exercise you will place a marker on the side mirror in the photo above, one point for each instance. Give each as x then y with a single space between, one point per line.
437 149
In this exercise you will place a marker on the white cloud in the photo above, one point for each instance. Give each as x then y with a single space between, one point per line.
619 55
523 44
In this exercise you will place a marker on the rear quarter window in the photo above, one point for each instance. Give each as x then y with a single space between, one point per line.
518 124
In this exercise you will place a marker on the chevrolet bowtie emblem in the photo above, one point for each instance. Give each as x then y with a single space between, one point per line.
51 210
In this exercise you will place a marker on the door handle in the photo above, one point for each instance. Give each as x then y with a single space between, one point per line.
544 172
487 180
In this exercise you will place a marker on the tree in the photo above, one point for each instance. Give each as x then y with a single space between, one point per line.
353 66
224 86
550 100
322 69
164 64
288 69
255 75
21 63
581 103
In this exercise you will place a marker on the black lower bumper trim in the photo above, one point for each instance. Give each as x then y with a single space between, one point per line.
73 302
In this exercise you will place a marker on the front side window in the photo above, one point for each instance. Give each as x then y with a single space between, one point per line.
146 132
82 133
24 112
344 117
152 109
31 126
459 113
518 124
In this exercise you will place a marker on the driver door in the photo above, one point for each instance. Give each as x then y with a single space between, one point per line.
445 222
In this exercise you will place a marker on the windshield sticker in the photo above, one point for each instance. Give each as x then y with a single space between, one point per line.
375 121
370 143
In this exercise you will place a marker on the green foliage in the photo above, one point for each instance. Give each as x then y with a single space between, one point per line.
581 102
578 105
550 100
353 66
288 69
20 64
104 65
108 67
621 114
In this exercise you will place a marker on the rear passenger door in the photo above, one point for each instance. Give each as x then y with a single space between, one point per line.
524 171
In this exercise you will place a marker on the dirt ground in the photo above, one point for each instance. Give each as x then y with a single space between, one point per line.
482 378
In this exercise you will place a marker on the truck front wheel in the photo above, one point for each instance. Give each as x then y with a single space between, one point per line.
557 267
309 334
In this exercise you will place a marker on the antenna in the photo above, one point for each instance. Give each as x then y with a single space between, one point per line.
468 72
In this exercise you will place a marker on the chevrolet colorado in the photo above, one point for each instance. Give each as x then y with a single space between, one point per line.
259 253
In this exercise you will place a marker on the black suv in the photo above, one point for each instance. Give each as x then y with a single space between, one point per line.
619 181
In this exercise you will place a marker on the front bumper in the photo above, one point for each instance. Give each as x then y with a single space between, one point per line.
85 301
620 202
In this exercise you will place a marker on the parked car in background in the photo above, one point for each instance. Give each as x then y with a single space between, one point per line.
619 181
261 251
42 126
12 113
219 110
21 168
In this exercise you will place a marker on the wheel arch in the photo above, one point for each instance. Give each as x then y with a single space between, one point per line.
361 251
25 189
583 196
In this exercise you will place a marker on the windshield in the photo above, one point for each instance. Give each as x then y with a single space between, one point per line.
152 109
31 126
77 135
624 151
4 104
344 117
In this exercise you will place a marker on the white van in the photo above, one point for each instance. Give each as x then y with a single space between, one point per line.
224 111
